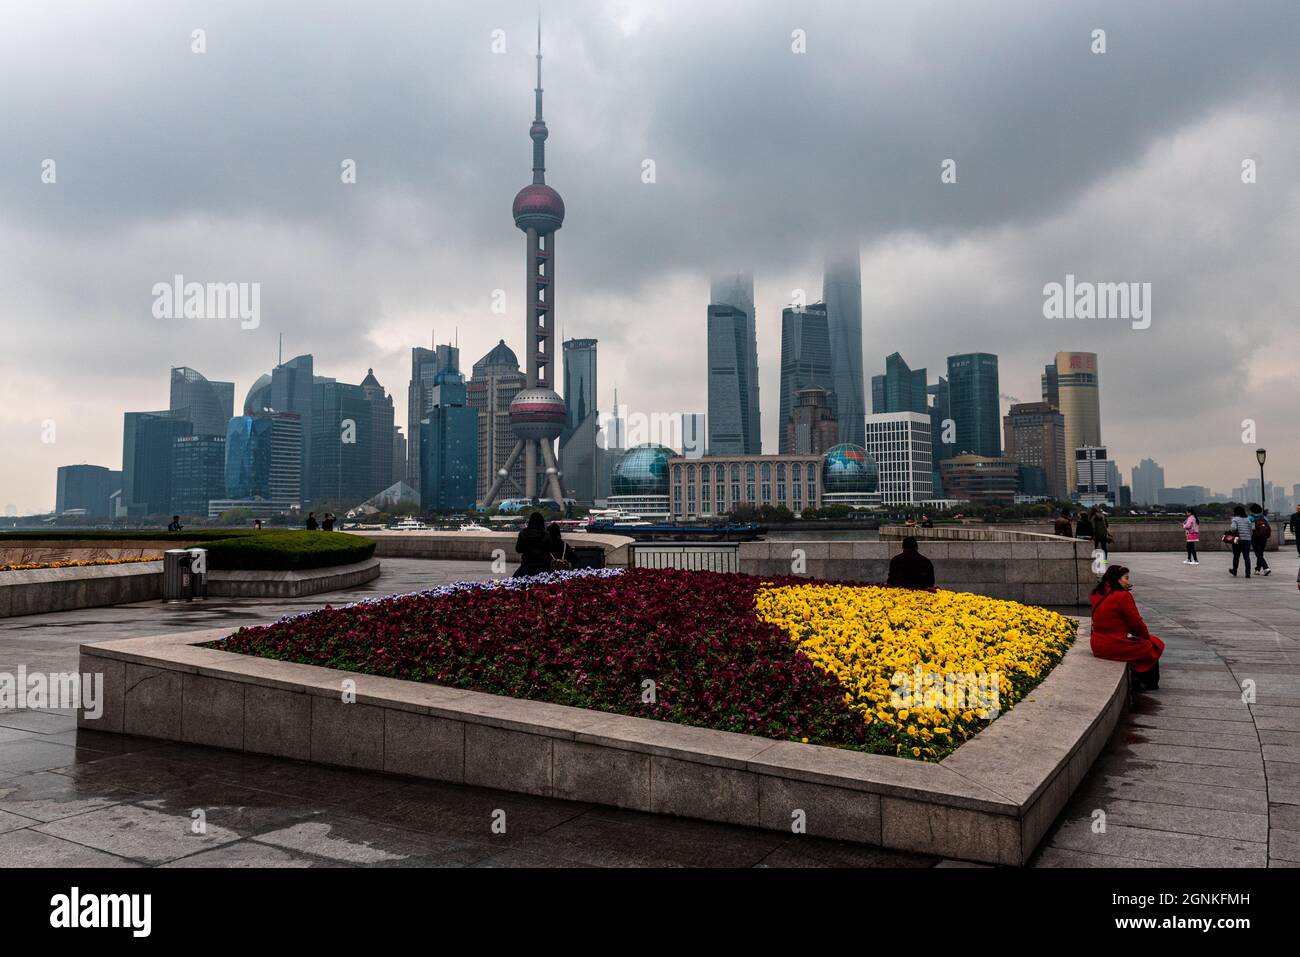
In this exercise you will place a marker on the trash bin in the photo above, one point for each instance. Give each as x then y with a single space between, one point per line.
198 573
177 578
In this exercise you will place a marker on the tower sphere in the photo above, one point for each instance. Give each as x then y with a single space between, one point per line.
537 413
537 206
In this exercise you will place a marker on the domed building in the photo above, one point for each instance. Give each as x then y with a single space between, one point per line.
639 484
850 477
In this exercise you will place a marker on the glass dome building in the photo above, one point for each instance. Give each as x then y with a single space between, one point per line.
639 484
850 477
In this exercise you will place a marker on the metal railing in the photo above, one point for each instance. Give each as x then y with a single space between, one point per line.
713 557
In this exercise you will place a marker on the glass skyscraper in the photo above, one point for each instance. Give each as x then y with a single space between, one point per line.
147 439
263 457
842 293
342 445
208 405
425 366
449 447
86 487
291 391
198 473
737 348
900 389
578 440
973 397
805 361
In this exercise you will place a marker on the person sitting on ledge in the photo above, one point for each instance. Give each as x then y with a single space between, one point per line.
1118 631
534 547
909 568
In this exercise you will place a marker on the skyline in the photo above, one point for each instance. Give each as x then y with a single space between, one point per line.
421 243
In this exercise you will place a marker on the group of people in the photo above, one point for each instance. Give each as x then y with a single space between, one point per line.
1093 526
326 523
542 549
1250 532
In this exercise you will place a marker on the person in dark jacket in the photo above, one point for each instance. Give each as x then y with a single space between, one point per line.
562 553
1083 529
909 568
1294 525
534 547
1063 526
175 525
1100 532
1260 533
312 524
1118 631
328 524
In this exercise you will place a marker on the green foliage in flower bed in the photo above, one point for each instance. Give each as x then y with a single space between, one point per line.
288 551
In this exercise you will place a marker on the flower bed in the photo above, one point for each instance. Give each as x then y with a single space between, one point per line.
29 566
782 658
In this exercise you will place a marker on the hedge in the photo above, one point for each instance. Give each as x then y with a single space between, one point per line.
239 549
288 551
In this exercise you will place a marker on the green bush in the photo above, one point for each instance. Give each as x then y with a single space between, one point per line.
288 551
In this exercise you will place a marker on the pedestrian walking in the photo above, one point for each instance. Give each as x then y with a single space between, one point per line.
1083 528
1192 529
1294 525
1260 532
1118 631
1101 537
1238 536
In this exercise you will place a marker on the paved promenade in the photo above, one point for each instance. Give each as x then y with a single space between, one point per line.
1194 776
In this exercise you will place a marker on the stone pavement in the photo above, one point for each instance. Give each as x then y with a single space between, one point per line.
72 797
1194 775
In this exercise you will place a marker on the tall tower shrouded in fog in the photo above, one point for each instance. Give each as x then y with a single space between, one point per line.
537 413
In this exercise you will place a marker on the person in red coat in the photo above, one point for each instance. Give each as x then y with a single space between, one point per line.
1118 631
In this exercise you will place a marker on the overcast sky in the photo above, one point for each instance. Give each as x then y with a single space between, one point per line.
224 166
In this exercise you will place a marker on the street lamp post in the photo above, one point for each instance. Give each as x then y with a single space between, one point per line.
1260 455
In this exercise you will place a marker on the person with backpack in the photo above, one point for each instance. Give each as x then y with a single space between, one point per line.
1260 533
1238 536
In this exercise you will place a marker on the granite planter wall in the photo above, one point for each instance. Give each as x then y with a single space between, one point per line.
990 801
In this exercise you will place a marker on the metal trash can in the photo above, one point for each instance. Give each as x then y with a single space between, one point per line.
198 573
177 580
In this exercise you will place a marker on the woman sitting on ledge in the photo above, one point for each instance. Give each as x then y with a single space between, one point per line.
1118 631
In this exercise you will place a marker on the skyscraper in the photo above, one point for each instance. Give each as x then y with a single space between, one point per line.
805 361
291 391
449 447
842 293
493 384
208 405
87 487
1035 436
973 398
1079 399
537 413
900 389
737 291
899 442
381 430
1148 480
425 366
147 439
730 429
342 445
198 473
811 429
940 414
264 458
578 440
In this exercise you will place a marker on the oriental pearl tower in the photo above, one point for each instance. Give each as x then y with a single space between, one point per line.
537 412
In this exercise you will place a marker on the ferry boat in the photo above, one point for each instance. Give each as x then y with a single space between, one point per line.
473 527
409 525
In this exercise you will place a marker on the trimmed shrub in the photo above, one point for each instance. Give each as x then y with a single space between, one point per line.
288 551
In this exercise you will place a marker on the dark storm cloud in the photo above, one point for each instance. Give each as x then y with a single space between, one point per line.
225 166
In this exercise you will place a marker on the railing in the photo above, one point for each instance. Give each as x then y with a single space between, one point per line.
963 533
713 557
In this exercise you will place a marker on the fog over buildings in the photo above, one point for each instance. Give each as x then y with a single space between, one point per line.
229 166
